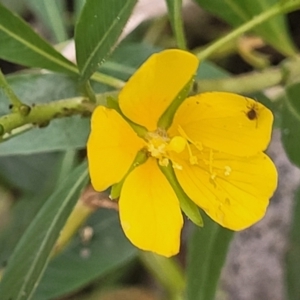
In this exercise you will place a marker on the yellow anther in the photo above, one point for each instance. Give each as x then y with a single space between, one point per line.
192 158
227 170
177 166
213 176
164 162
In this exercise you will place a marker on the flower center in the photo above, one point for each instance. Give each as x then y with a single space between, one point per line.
160 145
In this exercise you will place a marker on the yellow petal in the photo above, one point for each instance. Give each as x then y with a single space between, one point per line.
233 191
226 122
112 147
149 210
150 91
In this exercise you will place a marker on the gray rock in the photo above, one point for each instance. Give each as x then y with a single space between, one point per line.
255 265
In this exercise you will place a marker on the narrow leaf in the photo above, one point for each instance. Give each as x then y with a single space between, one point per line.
21 45
206 255
97 31
293 255
236 12
72 270
78 5
61 134
31 256
51 13
291 122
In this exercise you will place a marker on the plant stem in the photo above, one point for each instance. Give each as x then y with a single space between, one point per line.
40 115
255 81
88 92
13 98
167 272
279 8
174 8
108 80
242 84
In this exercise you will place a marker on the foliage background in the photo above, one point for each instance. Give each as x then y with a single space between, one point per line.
263 261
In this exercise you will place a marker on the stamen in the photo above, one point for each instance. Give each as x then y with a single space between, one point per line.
193 159
164 162
197 144
177 166
211 154
227 170
159 146
213 176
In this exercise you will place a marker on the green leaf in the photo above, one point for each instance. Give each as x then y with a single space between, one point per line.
293 255
122 64
236 12
78 6
60 134
71 133
15 5
291 123
97 31
31 256
207 251
107 250
51 13
34 89
38 171
68 133
20 216
23 46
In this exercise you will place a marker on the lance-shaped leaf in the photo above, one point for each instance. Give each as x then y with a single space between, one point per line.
108 250
291 122
21 45
97 31
236 12
31 256
51 14
292 259
206 255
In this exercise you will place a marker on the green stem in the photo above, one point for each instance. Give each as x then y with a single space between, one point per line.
88 92
41 115
280 8
252 82
108 80
13 98
243 84
167 272
175 8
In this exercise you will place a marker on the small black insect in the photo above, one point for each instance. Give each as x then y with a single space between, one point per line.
252 114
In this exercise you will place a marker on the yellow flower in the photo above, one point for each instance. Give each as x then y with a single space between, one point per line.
215 145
